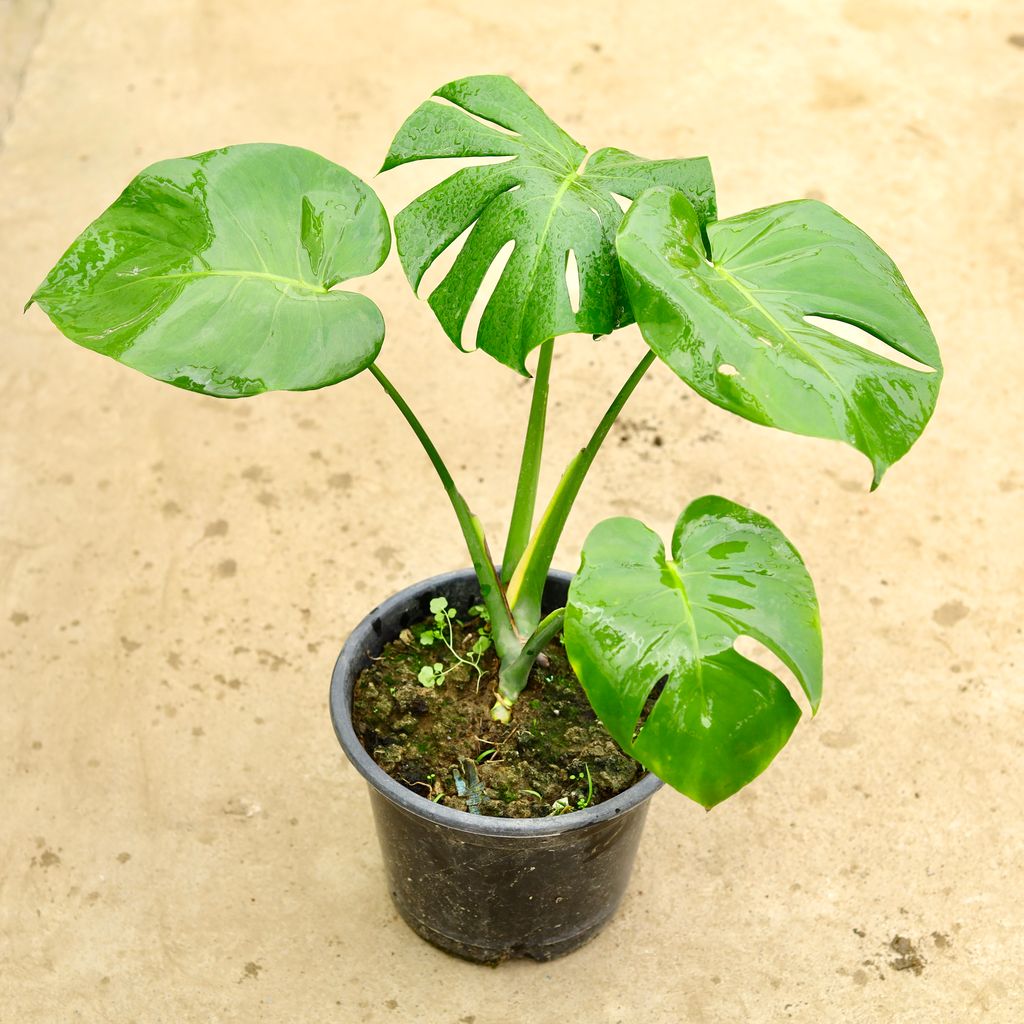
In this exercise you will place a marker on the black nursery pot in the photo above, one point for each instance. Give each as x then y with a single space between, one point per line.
485 888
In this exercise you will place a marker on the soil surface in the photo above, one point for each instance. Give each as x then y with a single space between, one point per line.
440 741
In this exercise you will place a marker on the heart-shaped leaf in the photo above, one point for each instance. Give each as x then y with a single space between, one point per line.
643 627
548 198
734 326
214 273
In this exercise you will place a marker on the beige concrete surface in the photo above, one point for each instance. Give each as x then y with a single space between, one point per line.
180 839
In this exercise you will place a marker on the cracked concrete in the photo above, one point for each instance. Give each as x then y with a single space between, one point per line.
181 840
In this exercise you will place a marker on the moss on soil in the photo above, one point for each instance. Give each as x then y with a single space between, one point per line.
433 740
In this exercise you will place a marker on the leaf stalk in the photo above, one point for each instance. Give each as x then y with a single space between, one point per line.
507 640
513 677
523 508
526 588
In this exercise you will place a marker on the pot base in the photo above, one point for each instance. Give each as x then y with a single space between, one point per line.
494 955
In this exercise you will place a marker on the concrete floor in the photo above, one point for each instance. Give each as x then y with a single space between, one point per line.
180 838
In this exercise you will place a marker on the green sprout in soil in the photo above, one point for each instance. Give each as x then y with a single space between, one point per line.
434 674
566 803
584 801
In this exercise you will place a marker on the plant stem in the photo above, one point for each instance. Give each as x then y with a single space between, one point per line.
526 587
506 638
521 522
513 677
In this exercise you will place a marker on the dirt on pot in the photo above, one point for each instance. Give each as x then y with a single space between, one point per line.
424 716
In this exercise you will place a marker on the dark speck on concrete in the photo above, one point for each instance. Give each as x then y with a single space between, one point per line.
251 970
908 957
386 553
950 613
47 859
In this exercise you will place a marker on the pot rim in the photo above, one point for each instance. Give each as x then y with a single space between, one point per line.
346 669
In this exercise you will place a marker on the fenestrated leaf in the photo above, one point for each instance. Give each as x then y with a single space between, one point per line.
637 618
214 273
734 327
548 198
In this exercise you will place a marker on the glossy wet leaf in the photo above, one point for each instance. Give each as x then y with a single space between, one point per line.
215 273
734 327
638 618
548 198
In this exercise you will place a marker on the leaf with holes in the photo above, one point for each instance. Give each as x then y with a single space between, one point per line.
651 639
735 327
549 199
215 273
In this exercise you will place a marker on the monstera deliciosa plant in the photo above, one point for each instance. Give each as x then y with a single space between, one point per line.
220 274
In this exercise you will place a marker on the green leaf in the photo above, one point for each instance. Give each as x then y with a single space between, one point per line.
214 273
426 676
549 198
438 604
637 619
734 327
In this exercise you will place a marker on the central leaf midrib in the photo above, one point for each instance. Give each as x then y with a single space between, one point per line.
751 297
292 282
556 201
673 568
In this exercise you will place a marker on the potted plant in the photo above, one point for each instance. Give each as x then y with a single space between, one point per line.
219 273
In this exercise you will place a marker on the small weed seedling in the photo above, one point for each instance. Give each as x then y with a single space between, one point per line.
220 273
566 803
434 674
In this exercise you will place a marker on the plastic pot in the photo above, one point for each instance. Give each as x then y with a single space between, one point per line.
484 888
